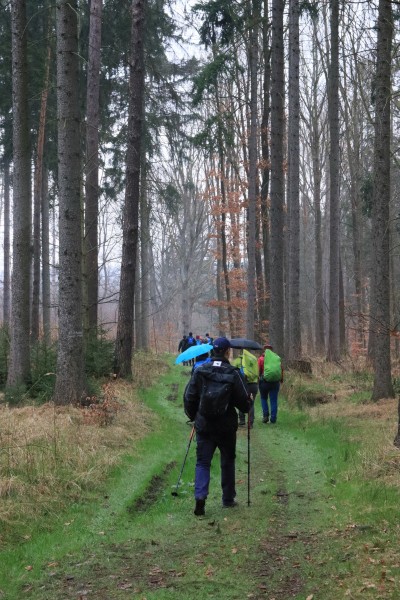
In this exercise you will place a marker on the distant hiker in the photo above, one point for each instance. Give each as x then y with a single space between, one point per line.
198 340
182 344
214 391
271 376
190 341
247 363
208 339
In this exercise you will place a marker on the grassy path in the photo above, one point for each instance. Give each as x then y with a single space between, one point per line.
296 539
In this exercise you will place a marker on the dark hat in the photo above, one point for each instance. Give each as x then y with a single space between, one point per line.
221 343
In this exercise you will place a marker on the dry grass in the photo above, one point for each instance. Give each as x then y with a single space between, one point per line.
374 424
51 455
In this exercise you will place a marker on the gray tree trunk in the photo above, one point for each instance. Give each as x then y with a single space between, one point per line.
124 341
19 366
266 159
316 168
333 353
6 249
70 384
46 299
145 263
252 175
92 166
294 329
277 178
37 204
383 387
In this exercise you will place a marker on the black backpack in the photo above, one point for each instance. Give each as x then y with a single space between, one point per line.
215 393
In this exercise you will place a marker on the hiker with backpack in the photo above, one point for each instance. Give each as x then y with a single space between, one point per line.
213 394
248 366
270 377
190 341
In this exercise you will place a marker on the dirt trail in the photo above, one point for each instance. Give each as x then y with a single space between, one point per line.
291 474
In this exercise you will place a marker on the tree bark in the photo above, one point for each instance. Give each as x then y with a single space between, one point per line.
37 204
46 299
293 201
70 384
266 166
19 366
92 166
334 174
383 387
252 176
124 341
6 262
277 178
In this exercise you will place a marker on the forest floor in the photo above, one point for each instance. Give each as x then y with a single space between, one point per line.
322 523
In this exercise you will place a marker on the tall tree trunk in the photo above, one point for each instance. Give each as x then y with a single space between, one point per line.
6 262
224 251
70 384
266 167
19 367
334 174
46 299
145 262
277 178
316 168
37 203
92 166
383 387
252 177
123 347
342 317
294 329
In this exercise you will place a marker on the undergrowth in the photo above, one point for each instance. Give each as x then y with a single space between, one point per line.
51 456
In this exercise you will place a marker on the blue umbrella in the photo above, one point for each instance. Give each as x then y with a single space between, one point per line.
193 352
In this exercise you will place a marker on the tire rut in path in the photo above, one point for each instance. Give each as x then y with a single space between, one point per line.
286 546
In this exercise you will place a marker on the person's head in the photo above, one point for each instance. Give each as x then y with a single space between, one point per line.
267 347
221 347
207 335
190 334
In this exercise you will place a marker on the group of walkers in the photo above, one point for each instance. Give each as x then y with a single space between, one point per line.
217 391
190 340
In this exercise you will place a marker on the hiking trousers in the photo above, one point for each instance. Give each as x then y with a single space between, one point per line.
206 445
269 389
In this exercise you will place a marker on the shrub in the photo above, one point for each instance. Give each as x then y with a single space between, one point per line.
99 355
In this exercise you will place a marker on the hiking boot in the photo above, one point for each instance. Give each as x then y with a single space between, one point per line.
230 504
265 419
199 509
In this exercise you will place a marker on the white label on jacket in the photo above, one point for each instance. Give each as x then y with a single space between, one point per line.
217 363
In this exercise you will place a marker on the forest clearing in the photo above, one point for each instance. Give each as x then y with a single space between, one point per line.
87 508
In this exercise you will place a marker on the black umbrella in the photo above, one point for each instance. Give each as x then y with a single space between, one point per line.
243 343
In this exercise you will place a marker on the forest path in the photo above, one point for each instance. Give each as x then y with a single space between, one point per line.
146 544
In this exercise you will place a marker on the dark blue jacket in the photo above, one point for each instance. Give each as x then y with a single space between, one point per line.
239 398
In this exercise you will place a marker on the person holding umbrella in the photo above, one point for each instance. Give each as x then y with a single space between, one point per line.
247 363
215 390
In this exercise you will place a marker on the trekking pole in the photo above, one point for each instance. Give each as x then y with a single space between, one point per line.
175 492
248 459
248 442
